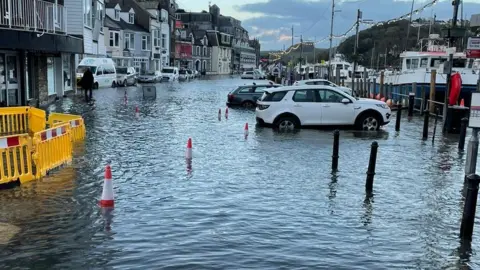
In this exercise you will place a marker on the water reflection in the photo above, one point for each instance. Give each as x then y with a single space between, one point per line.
367 205
332 187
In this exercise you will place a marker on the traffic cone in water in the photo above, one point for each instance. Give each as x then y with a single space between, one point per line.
226 113
137 112
378 97
246 129
188 153
462 103
382 99
107 193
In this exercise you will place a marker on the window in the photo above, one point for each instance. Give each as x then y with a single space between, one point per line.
204 51
424 62
156 38
131 17
87 14
129 41
117 14
164 41
146 43
274 97
198 50
100 15
330 96
304 96
177 16
436 62
114 39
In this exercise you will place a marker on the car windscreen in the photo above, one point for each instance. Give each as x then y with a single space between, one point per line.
149 73
167 70
122 70
182 72
273 97
82 69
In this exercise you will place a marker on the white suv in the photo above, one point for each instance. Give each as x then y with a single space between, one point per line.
323 82
291 107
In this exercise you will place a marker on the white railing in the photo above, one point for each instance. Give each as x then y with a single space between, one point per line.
33 15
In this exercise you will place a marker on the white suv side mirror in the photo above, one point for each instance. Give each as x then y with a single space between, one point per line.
346 101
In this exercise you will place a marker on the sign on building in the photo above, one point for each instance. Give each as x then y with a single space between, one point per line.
474 121
473 47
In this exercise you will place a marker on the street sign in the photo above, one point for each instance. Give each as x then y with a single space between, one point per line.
474 121
473 47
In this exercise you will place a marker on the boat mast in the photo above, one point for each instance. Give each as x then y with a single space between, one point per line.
408 29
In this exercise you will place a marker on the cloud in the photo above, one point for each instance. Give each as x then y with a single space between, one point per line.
311 18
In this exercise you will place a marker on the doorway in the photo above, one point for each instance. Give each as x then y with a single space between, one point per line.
9 81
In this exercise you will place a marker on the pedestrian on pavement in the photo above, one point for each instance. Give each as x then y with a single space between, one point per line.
87 84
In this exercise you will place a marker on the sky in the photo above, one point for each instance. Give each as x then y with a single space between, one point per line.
271 21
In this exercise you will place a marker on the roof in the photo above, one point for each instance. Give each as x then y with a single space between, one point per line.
198 35
149 5
131 27
301 87
111 24
142 16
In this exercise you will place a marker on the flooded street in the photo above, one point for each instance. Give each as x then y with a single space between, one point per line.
265 202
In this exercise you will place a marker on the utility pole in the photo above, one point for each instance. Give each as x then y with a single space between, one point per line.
314 59
301 55
385 64
292 35
408 29
373 56
355 56
330 75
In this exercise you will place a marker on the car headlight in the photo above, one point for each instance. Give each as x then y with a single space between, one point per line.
383 106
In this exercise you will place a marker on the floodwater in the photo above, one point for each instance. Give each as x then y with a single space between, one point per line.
265 202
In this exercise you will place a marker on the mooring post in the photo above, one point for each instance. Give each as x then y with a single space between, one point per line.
411 103
426 117
336 144
468 217
472 153
371 167
463 133
399 117
435 125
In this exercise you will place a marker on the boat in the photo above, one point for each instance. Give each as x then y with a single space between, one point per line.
417 67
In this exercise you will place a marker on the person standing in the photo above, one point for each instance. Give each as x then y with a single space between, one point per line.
87 84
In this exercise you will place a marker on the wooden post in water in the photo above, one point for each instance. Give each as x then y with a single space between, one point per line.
382 82
369 85
414 90
374 91
422 100
433 79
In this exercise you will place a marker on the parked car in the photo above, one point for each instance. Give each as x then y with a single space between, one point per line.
323 82
247 75
150 77
190 74
126 76
291 107
247 95
183 75
103 69
254 75
196 74
170 74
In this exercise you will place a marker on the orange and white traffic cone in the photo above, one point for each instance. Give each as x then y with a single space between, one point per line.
137 112
226 113
462 103
188 153
245 130
107 193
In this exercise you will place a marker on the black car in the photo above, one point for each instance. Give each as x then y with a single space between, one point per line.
247 95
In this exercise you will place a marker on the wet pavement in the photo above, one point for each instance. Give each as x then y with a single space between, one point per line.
265 202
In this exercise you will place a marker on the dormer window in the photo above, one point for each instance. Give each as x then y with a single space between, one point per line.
131 18
117 14
205 41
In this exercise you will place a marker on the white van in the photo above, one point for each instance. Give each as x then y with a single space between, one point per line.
169 74
103 69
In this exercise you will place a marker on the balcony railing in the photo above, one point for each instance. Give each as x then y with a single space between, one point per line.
33 15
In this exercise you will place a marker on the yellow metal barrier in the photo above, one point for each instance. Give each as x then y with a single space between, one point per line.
52 148
15 158
18 120
76 124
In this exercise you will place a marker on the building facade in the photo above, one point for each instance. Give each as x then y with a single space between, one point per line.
221 52
37 53
125 40
183 47
201 53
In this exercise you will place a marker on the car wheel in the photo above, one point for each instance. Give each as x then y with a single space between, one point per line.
368 122
114 84
95 86
287 123
248 104
125 83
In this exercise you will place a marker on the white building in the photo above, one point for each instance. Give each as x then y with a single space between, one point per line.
221 52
